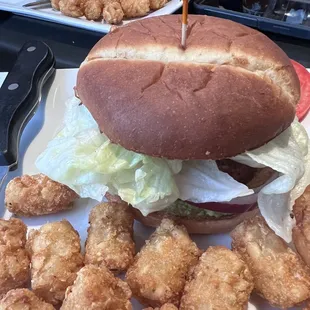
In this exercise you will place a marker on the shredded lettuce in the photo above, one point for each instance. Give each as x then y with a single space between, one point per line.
288 154
84 159
202 181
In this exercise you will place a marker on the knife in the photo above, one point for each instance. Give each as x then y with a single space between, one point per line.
37 3
20 95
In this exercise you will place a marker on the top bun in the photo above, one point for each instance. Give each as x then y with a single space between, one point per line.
231 90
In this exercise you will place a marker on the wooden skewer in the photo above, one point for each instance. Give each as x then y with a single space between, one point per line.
184 23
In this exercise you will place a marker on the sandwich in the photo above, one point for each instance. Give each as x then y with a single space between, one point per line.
206 135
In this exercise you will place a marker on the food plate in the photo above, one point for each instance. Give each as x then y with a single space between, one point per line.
42 128
49 14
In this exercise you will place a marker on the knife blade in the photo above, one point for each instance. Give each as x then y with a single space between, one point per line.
3 173
20 95
37 3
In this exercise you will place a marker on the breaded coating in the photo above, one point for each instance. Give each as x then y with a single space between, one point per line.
307 306
23 299
280 276
55 4
157 4
36 195
135 8
96 288
93 9
14 269
110 237
160 269
301 232
14 260
164 307
108 196
55 259
220 281
13 233
112 12
73 8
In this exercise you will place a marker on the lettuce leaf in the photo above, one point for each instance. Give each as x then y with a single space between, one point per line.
202 181
288 154
85 160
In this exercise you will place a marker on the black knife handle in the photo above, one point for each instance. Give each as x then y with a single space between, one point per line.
20 94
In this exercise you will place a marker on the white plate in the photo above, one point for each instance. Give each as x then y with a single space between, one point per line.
42 128
49 14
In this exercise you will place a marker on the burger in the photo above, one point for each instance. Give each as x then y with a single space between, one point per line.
206 135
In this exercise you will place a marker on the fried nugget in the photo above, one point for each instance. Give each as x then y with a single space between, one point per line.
13 233
73 8
112 12
301 232
164 307
55 4
55 259
135 8
110 237
37 195
23 299
14 260
160 269
220 281
280 276
93 9
14 269
157 4
96 288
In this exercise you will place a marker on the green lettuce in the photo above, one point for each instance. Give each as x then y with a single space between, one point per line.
85 160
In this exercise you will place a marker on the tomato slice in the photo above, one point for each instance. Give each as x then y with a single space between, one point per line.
224 207
304 103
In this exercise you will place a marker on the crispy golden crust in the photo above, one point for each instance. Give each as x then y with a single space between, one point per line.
23 299
96 288
13 233
301 232
92 9
230 82
14 269
280 276
160 269
220 281
112 12
110 237
55 259
164 307
135 8
14 260
36 195
157 4
73 8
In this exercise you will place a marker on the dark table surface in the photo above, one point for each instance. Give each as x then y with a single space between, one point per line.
71 45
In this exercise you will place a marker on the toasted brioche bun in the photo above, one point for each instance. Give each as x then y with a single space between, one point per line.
210 225
232 89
